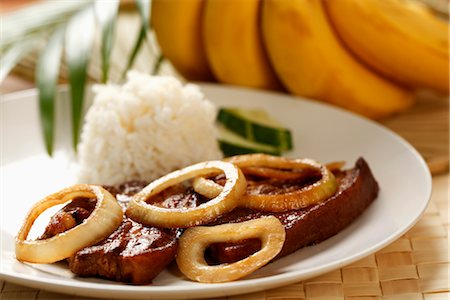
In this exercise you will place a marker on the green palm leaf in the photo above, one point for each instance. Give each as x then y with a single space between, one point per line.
144 11
106 13
11 56
37 19
67 27
47 79
157 66
79 40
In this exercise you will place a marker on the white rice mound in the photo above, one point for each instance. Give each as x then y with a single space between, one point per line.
144 129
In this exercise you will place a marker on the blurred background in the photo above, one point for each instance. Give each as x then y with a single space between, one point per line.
385 60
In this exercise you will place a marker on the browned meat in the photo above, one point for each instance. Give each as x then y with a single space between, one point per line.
136 253
71 215
357 189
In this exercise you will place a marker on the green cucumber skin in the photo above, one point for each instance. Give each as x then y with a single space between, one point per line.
233 123
277 137
232 149
282 137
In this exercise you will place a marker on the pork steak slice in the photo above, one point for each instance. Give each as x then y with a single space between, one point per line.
136 253
357 190
133 253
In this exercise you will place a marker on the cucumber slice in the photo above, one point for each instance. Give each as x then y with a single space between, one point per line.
232 144
257 126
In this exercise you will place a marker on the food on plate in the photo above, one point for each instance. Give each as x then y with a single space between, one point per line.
163 125
251 130
224 201
233 144
195 240
134 253
357 189
311 194
103 219
230 243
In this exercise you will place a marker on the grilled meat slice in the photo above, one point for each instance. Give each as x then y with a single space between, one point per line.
357 190
69 216
134 253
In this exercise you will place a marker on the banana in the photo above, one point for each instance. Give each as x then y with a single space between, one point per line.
401 39
234 45
311 61
177 26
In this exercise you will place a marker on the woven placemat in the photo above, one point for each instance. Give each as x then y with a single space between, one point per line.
416 266
426 127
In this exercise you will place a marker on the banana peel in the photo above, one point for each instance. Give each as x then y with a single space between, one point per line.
402 40
177 26
234 46
311 61
307 46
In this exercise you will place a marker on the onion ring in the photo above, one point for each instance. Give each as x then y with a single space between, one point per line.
306 196
267 172
194 241
335 166
104 219
206 187
309 195
226 201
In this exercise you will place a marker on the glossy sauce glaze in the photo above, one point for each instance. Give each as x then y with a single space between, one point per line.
136 253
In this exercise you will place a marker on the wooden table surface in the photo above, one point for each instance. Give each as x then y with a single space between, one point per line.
416 266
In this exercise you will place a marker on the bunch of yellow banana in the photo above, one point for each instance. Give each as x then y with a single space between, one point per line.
368 56
178 28
401 39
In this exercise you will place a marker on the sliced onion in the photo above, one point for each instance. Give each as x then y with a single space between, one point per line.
195 240
267 172
206 187
104 219
335 165
306 196
270 161
224 202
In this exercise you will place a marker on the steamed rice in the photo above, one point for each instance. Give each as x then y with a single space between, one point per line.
144 129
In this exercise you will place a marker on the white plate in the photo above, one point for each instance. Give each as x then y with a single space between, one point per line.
319 131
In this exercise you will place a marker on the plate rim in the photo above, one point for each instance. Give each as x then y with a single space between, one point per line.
211 289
